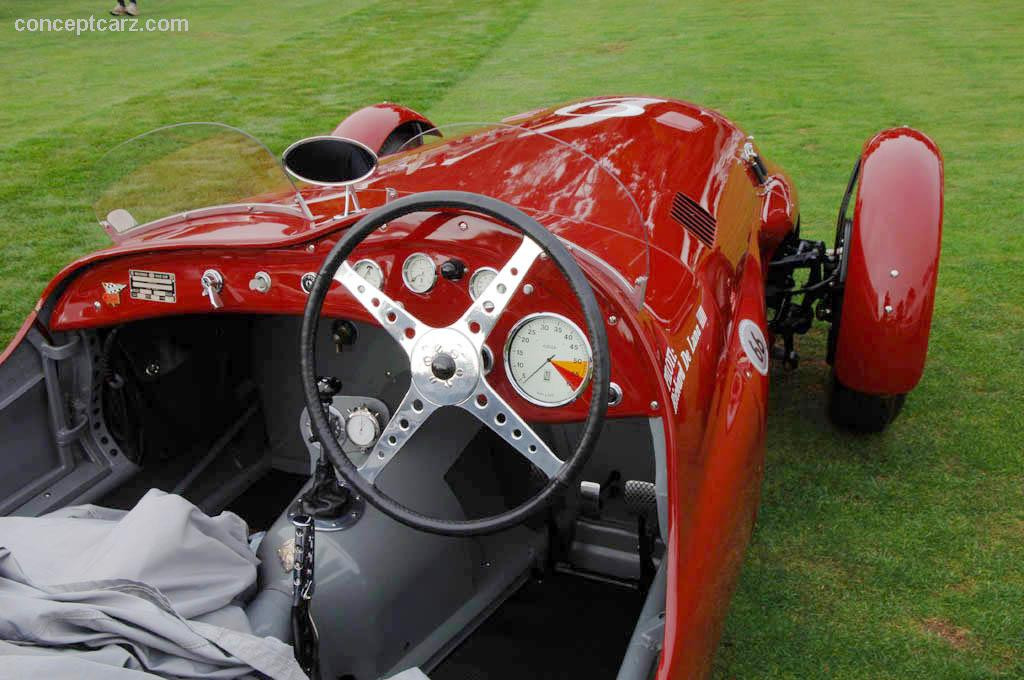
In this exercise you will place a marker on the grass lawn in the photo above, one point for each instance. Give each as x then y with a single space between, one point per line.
894 556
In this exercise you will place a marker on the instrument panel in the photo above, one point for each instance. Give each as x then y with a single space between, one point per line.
436 279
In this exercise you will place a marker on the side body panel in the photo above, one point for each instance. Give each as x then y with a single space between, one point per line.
717 434
893 264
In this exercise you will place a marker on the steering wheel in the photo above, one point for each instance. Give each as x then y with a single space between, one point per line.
446 364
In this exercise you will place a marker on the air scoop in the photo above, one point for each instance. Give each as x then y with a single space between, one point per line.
331 161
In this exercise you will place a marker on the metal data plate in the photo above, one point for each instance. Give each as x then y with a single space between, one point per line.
152 286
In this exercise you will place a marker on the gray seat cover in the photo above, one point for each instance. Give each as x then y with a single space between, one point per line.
89 592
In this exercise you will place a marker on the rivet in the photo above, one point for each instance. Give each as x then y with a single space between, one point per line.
528 289
654 406
894 273
97 305
310 248
613 319
463 226
888 309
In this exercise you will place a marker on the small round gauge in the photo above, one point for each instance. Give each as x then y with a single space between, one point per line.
362 427
419 273
548 359
479 281
370 271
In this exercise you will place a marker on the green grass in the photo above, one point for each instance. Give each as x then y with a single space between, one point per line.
893 556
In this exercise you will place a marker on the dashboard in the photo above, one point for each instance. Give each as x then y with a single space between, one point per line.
537 356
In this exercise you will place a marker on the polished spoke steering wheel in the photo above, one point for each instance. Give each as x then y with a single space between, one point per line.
446 363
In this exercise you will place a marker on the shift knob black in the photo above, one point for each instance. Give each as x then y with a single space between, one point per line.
327 386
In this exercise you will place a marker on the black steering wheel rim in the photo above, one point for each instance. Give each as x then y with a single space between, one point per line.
559 254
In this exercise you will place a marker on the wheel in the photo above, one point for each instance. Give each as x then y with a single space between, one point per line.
862 412
849 408
884 287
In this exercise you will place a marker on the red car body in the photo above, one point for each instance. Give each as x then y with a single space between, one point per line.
712 226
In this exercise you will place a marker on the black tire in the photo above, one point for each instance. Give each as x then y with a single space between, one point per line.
862 412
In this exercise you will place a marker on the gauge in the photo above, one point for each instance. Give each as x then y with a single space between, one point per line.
370 271
548 359
362 427
479 281
419 273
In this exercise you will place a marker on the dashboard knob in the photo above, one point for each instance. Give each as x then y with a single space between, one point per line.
453 270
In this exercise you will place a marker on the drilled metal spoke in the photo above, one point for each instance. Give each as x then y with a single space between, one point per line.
403 326
409 417
481 316
492 410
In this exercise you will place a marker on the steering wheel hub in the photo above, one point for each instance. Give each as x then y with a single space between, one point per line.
445 367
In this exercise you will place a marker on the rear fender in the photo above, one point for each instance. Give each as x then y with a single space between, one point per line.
893 262
383 127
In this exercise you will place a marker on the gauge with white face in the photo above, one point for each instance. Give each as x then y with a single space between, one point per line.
548 359
479 281
419 273
370 271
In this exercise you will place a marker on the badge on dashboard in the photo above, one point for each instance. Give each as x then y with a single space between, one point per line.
112 293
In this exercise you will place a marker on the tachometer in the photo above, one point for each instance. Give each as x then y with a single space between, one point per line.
370 271
548 359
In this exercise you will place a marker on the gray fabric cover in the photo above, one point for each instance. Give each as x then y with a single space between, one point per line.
88 592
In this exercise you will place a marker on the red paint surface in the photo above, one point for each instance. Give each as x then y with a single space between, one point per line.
897 226
373 124
715 426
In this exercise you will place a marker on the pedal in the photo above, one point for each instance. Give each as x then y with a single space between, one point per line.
642 500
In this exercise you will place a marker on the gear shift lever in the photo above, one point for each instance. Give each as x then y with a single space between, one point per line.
327 499
327 387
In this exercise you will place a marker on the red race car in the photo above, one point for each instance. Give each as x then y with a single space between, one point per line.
490 398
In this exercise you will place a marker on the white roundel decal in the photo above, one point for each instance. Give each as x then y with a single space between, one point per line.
616 107
754 345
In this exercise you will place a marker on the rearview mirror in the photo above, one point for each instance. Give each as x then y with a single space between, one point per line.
329 161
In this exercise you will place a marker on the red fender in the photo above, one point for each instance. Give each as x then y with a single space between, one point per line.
374 124
893 264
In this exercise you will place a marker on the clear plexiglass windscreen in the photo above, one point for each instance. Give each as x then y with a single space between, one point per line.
572 193
172 170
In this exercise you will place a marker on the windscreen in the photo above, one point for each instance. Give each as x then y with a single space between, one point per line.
571 192
191 166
